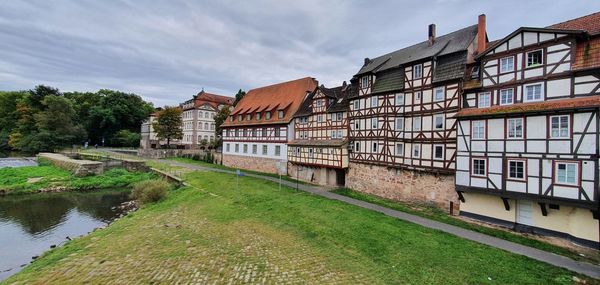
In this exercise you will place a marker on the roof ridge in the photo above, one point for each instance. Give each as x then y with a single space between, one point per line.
282 83
571 20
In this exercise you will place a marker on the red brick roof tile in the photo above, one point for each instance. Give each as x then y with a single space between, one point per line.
212 99
589 23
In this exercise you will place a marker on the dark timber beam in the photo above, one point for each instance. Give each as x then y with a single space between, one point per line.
544 209
460 196
506 204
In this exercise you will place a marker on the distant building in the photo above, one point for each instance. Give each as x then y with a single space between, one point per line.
148 135
319 150
198 118
528 134
256 134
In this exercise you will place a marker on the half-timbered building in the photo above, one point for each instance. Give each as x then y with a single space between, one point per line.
319 150
198 122
402 125
256 134
528 135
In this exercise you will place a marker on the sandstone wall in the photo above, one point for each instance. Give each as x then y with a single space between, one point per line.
317 175
403 185
251 163
77 167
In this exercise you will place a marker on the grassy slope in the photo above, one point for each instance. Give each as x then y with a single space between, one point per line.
14 180
349 243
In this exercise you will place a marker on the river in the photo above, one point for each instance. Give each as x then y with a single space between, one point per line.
30 224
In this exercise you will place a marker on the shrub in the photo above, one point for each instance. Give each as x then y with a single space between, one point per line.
150 191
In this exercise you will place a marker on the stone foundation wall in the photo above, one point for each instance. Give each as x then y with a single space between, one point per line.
251 163
318 175
403 185
77 167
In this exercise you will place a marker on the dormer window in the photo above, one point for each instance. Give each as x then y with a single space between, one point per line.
240 118
280 114
364 83
417 71
268 115
248 117
257 116
231 118
319 103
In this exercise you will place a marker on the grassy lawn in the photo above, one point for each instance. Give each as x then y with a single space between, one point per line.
22 180
214 232
441 216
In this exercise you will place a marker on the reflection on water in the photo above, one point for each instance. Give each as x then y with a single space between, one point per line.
30 224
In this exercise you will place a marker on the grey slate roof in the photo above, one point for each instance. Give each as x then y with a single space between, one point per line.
451 66
339 95
446 44
389 80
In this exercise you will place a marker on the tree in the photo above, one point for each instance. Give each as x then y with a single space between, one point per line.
241 93
56 124
8 115
126 138
168 125
220 118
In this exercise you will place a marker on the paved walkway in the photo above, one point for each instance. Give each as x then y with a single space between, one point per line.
584 268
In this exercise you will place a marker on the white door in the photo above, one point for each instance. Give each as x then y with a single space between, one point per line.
525 213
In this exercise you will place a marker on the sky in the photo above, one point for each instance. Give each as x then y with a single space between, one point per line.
168 51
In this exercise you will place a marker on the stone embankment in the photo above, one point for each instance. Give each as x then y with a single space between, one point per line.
77 167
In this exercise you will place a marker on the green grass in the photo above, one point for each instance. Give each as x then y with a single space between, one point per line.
221 230
14 180
441 216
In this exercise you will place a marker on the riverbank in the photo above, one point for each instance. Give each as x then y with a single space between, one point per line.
48 178
217 231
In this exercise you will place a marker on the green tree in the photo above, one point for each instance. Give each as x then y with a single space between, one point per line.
168 125
220 118
240 94
126 138
9 115
56 124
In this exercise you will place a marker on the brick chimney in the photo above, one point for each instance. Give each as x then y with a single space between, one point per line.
481 34
431 34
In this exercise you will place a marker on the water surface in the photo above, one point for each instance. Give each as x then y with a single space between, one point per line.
30 224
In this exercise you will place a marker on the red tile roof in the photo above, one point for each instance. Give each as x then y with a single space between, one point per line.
589 23
212 99
587 54
287 96
553 105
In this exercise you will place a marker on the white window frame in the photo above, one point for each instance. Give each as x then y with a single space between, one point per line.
364 82
356 146
525 88
374 123
560 129
356 104
510 128
374 101
443 93
527 58
399 153
484 167
567 164
374 147
435 118
357 125
504 68
399 99
481 95
503 92
420 68
516 161
435 146
416 151
416 124
480 134
265 149
277 150
400 124
418 95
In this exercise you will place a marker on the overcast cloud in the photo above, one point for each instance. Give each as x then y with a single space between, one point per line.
166 51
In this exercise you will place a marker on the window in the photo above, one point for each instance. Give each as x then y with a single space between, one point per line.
254 149
506 96
439 122
280 114
533 92
416 123
400 99
237 147
356 125
245 148
516 169
479 167
418 96
399 124
319 118
559 126
417 71
227 147
416 151
231 118
356 146
206 126
319 103
478 130
374 101
212 127
277 132
438 152
239 118
515 128
339 116
375 147
340 134
399 149
277 150
333 134
356 104
534 58
268 115
364 82
567 173
484 100
200 126
310 152
264 149
374 123
258 116
248 117
439 94
507 64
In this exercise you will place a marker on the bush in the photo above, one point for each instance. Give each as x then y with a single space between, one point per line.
126 138
150 191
